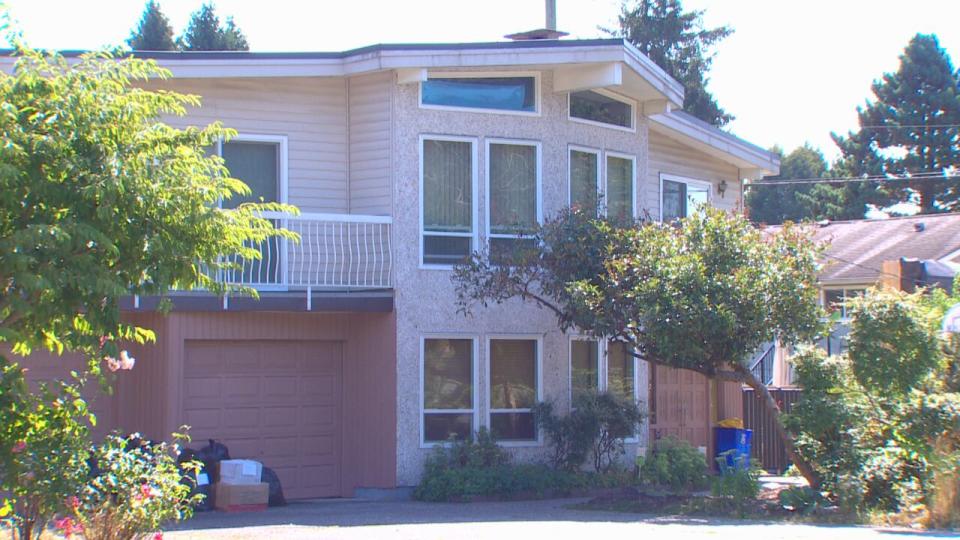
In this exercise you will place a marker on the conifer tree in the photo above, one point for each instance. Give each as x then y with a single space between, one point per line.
205 33
154 32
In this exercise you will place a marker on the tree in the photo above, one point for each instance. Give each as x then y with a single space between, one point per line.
154 32
103 200
774 204
677 42
204 33
702 295
912 127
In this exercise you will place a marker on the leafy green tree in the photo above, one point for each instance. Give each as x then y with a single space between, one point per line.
774 204
205 33
702 295
677 42
911 127
154 32
103 200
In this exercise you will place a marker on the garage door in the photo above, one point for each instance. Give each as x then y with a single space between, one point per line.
278 402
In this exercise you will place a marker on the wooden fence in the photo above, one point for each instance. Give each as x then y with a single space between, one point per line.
766 447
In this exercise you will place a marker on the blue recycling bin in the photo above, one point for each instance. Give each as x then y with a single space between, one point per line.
738 440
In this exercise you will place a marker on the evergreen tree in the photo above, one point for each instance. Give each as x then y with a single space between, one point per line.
205 33
154 32
677 42
911 127
796 202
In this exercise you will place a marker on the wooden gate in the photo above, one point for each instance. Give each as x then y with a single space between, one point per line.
766 447
680 405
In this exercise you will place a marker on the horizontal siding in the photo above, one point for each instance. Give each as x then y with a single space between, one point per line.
370 117
668 156
310 112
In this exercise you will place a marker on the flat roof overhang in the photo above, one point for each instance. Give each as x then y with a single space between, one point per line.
380 301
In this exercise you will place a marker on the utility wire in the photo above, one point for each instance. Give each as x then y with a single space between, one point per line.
909 126
842 180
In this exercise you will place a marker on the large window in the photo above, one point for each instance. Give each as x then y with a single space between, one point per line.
616 186
449 404
601 366
514 375
835 300
516 94
584 367
681 197
619 196
584 177
448 195
602 108
513 195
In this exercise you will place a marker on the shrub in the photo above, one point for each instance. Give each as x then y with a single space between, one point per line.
802 499
570 436
138 487
737 484
675 463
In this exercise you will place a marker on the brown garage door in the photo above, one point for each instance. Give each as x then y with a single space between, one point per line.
278 402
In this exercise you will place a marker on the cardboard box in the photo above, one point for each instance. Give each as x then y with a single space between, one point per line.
240 471
241 497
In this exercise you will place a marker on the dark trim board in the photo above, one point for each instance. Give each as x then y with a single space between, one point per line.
353 302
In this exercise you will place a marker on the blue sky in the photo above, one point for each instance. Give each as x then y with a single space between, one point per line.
793 72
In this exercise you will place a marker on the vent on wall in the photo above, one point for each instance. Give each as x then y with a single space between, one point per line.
548 32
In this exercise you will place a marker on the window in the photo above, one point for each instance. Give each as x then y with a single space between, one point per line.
601 366
584 367
835 300
681 197
603 108
620 370
448 196
448 389
618 186
620 181
513 194
514 375
584 177
516 94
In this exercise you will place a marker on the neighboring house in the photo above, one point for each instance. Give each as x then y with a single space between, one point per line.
403 159
903 253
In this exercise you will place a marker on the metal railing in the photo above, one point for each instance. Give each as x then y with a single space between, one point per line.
335 251
762 365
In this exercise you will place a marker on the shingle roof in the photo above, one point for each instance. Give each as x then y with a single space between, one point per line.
858 248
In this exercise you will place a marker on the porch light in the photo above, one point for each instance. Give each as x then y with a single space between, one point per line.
722 188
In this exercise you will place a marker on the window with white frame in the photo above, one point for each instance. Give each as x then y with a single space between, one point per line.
507 92
514 388
449 386
616 186
836 300
513 196
681 197
602 107
602 366
448 198
584 367
621 178
584 177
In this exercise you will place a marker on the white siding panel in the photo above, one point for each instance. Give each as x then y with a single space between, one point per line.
310 112
668 156
370 139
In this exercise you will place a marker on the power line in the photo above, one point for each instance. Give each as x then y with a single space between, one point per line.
909 126
843 180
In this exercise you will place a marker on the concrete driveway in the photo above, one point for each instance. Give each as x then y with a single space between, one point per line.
529 520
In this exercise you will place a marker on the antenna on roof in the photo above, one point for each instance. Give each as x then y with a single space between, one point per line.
549 32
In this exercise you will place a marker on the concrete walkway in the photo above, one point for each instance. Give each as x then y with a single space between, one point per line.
528 520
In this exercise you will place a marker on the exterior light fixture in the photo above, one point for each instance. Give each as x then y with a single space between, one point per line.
722 188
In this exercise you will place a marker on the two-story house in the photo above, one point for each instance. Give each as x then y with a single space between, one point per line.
403 159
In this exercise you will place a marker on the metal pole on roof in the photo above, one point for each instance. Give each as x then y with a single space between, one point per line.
551 6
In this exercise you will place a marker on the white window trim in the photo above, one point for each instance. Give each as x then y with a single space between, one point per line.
603 378
475 346
587 150
633 180
482 75
539 365
684 180
843 309
622 99
473 235
539 188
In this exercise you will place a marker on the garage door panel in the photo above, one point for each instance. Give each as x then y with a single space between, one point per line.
322 417
280 388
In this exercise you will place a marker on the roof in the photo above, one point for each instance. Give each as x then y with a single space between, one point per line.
858 248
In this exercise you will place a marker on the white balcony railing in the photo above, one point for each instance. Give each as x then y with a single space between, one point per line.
335 251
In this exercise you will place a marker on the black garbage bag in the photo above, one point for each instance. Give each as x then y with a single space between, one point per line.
276 490
212 454
195 483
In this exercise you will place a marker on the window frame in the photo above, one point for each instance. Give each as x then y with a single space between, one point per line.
603 372
538 338
844 317
634 211
571 148
538 146
483 75
612 95
474 210
475 378
684 180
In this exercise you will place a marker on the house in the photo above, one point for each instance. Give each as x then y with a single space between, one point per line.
403 159
903 253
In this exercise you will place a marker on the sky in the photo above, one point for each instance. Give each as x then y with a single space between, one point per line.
792 72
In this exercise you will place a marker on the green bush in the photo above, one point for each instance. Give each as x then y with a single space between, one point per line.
675 463
737 484
802 499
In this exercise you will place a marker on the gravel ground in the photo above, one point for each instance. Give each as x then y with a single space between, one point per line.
528 520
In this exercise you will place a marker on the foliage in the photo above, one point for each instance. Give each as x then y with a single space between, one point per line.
571 436
774 204
911 126
675 463
802 499
138 487
205 33
102 200
479 451
677 42
153 33
738 484
702 294
43 449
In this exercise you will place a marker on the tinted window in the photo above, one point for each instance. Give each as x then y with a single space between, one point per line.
596 107
492 93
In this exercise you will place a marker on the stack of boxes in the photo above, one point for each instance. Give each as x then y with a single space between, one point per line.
240 488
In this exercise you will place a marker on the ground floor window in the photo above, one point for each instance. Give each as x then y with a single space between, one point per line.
602 366
514 386
449 382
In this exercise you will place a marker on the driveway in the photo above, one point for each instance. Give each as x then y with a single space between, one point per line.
529 520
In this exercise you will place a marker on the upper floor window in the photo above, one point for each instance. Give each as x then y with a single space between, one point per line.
448 195
681 197
584 177
499 93
602 108
619 196
513 189
614 191
835 300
